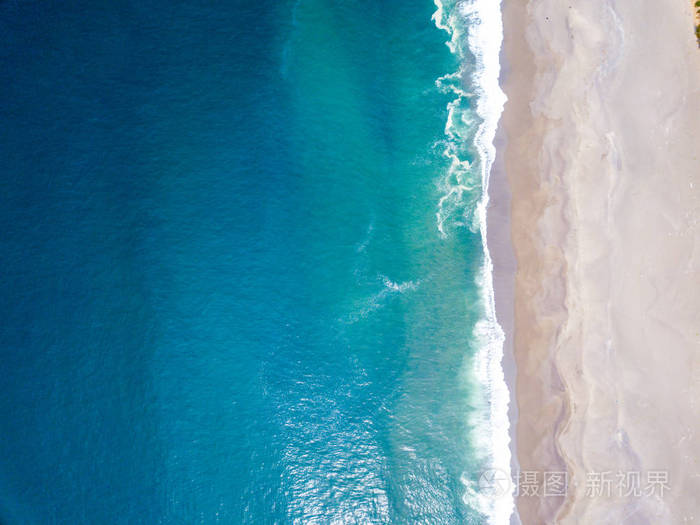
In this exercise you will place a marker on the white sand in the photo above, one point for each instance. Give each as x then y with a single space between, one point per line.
603 128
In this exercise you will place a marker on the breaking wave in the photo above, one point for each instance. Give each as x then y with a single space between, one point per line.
476 32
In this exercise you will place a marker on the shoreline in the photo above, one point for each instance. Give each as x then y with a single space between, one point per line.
483 43
519 267
598 144
503 276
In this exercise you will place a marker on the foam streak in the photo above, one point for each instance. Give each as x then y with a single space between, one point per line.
475 28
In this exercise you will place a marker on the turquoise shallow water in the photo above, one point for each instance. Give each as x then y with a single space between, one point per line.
227 298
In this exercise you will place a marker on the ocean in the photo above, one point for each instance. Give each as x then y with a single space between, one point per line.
244 269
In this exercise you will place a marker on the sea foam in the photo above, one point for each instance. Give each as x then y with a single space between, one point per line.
476 33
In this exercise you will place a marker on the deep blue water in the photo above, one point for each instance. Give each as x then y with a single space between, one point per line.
225 298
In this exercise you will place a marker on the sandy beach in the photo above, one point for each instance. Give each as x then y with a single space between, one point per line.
601 145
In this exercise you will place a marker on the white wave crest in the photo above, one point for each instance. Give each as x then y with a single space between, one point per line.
476 30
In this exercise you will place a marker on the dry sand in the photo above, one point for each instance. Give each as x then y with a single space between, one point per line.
602 154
